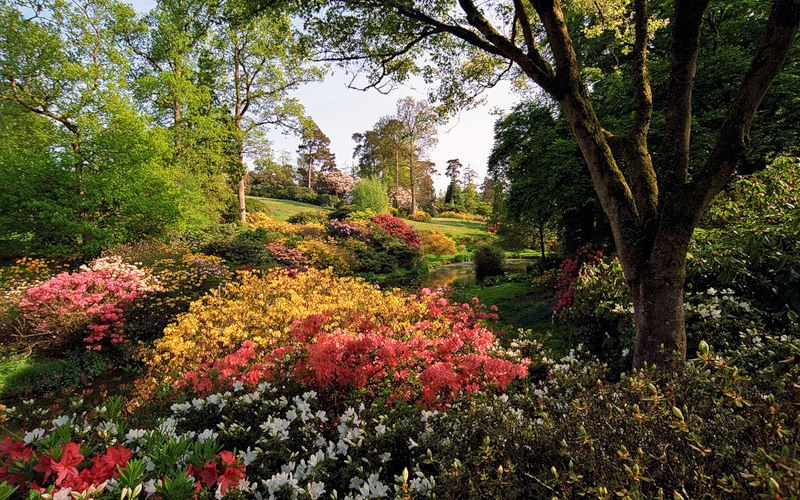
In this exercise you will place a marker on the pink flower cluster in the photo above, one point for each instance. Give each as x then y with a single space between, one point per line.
395 226
416 364
570 270
287 256
339 229
91 301
22 465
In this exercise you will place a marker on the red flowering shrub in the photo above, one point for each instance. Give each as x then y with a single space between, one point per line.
65 467
89 303
411 363
395 226
224 470
570 270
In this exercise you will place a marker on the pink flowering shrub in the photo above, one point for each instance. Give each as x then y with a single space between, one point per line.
414 363
88 304
287 256
570 271
395 226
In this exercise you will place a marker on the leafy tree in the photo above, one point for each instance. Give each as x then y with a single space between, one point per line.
314 150
653 202
380 151
418 127
370 194
264 60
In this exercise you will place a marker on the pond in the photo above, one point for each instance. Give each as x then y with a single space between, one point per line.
464 272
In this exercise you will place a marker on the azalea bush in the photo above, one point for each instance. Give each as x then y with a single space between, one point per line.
96 455
420 216
462 216
15 280
87 305
437 243
394 226
340 336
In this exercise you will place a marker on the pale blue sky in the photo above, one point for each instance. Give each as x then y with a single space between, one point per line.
340 111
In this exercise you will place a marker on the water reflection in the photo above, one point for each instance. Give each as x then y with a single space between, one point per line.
463 273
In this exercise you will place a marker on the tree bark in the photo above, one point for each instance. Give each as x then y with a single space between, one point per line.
413 190
242 200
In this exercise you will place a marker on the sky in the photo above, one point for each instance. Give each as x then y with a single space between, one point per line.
340 111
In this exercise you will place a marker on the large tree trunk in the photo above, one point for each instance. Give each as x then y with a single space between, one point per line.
413 189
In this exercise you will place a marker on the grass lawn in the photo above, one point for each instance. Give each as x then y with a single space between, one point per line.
456 228
280 209
452 227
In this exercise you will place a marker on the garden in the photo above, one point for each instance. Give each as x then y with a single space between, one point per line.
188 313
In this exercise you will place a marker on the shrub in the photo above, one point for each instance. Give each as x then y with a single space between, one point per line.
316 216
328 200
92 456
462 216
488 261
400 198
421 346
420 216
86 305
182 276
292 192
437 243
370 194
334 183
287 256
395 226
323 254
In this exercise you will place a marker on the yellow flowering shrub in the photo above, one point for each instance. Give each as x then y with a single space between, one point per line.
259 220
437 243
263 309
322 254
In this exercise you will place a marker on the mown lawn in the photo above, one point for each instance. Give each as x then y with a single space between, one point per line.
455 228
280 209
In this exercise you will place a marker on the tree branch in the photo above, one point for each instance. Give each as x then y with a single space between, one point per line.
686 23
730 148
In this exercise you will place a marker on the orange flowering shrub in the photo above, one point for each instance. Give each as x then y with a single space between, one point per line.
437 243
334 334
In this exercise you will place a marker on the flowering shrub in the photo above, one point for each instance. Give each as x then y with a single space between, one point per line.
338 229
462 216
437 243
89 303
93 457
570 270
259 220
336 335
420 216
400 197
325 254
182 277
287 256
395 226
335 182
15 279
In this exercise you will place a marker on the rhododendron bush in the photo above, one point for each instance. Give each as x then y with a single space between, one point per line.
395 226
335 334
88 304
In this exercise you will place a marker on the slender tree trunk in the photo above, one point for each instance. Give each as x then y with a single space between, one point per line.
396 169
413 190
242 199
541 239
310 170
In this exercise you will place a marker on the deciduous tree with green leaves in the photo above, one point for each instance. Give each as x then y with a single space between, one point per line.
653 207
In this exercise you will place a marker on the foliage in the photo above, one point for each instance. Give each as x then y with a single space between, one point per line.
462 216
98 456
437 243
750 241
335 183
420 216
370 194
318 217
87 305
400 198
488 261
395 226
